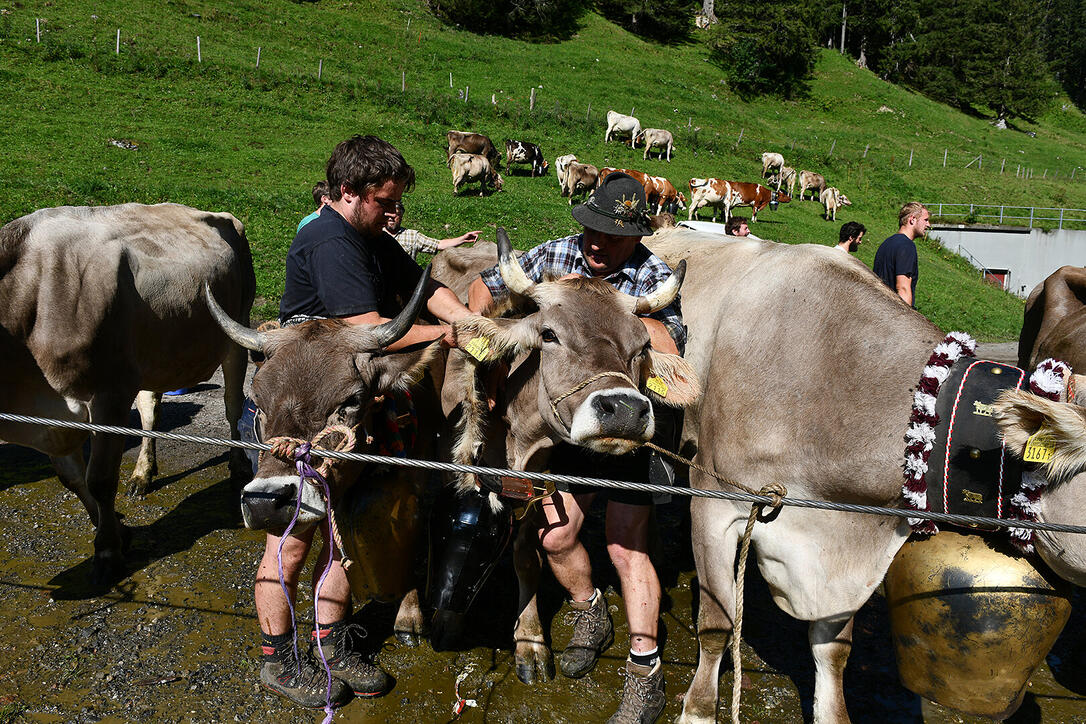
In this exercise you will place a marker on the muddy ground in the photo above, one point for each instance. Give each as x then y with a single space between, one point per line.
177 640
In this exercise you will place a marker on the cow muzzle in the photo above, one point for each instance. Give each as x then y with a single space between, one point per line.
269 504
614 421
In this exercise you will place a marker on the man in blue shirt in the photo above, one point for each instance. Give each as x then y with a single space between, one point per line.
609 248
320 198
896 262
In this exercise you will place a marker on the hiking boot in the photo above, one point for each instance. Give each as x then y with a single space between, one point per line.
592 634
306 687
355 669
643 697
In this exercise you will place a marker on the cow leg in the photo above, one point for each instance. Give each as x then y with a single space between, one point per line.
410 625
531 654
714 543
72 473
233 375
831 643
148 404
103 469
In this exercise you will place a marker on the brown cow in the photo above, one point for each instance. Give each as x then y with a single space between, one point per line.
471 167
730 194
468 142
811 180
580 178
664 194
1054 322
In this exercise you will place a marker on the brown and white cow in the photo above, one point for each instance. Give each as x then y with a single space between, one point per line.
567 333
524 152
98 303
469 142
832 199
771 162
727 195
620 125
664 195
640 176
581 178
1054 321
472 167
561 169
656 138
809 180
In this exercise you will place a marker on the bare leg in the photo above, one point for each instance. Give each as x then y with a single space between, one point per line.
559 536
627 544
272 610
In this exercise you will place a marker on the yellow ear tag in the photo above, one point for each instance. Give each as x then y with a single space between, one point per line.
657 385
479 348
1039 448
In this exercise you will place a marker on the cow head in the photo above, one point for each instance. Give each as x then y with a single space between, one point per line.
584 361
316 374
842 200
496 180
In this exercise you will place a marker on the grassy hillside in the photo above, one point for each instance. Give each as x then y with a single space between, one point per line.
224 135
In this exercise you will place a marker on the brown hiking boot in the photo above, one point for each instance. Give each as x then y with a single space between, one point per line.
306 685
643 697
593 632
356 670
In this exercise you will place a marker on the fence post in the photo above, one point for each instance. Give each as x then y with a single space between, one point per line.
531 100
632 110
940 213
1001 214
910 158
865 149
1031 217
1001 166
1061 218
320 68
1045 174
980 162
37 28
740 139
493 99
199 57
258 56
403 81
944 158
588 113
117 49
833 146
793 146
450 79
466 89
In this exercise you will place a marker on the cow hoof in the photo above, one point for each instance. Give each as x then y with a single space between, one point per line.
407 638
108 568
530 671
137 486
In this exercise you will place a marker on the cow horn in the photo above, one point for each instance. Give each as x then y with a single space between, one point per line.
393 330
663 295
512 273
248 338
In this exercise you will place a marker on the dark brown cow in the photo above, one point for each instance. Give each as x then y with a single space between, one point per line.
1054 323
468 142
98 303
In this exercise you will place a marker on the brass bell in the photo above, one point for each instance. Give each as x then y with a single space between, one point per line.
972 620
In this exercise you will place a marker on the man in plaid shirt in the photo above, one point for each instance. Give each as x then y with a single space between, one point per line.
614 220
415 242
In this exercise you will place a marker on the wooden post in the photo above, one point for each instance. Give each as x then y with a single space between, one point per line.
944 158
493 99
1001 166
1045 174
631 110
980 161
117 48
199 57
833 146
793 146
910 158
403 81
740 139
972 162
689 121
467 88
450 79
37 28
865 149
588 113
320 68
408 29
1073 172
531 100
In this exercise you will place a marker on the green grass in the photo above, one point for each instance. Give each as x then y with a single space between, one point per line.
223 135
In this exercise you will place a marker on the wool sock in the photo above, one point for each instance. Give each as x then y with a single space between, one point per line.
274 647
648 658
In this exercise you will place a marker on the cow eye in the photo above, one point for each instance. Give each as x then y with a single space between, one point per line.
548 335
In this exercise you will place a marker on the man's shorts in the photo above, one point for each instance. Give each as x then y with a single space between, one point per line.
569 459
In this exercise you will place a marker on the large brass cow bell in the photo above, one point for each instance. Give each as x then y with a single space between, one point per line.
378 522
971 621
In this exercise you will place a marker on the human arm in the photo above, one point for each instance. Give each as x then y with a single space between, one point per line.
416 334
904 286
479 296
659 336
464 238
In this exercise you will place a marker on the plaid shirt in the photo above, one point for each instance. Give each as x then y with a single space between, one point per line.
641 274
414 242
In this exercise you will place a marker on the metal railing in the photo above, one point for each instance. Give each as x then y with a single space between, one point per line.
1011 215
986 273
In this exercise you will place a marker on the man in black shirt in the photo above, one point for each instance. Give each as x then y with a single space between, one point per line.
342 265
896 261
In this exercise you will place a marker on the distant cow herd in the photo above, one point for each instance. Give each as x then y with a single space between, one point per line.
473 158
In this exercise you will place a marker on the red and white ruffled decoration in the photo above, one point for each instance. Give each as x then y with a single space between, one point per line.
920 436
1049 380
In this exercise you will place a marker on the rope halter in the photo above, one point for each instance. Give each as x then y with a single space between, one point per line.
580 386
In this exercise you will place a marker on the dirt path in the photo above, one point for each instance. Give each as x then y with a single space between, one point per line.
177 640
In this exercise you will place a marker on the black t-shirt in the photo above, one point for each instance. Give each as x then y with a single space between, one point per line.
897 256
333 271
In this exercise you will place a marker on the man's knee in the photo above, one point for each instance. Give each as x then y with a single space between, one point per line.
626 559
557 540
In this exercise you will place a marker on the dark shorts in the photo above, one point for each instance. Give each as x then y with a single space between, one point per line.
569 459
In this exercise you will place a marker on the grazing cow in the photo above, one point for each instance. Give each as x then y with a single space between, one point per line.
811 180
1054 322
471 167
468 142
771 162
98 303
832 199
580 178
656 138
620 125
524 152
785 177
327 372
561 169
664 194
730 194
640 176
601 340
821 565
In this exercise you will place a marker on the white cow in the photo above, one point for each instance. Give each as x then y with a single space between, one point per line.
771 162
618 124
657 138
561 168
832 199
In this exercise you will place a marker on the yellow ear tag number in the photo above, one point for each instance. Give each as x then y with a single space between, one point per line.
479 348
657 385
1039 448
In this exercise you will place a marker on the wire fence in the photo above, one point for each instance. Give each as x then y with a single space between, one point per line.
969 521
1011 215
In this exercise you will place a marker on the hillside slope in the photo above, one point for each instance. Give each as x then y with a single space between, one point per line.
220 133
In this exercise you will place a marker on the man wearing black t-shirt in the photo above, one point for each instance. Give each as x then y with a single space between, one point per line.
342 264
896 261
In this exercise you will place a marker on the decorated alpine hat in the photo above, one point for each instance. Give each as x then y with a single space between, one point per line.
617 207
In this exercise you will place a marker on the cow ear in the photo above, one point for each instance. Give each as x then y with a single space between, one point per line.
488 339
1021 415
671 380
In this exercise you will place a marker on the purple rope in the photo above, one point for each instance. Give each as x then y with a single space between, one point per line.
303 450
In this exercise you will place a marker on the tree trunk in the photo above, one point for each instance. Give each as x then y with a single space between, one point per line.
844 20
707 10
